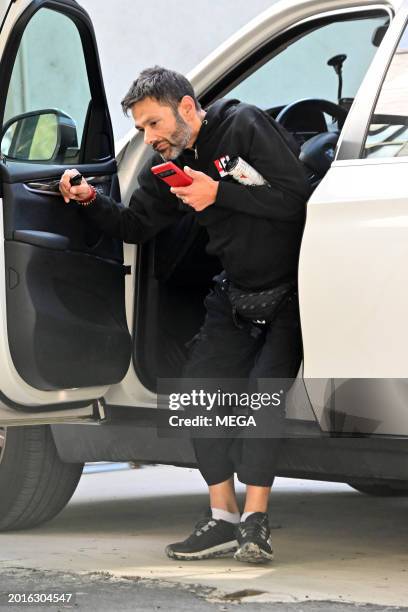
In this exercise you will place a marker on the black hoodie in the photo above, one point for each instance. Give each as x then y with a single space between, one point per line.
254 230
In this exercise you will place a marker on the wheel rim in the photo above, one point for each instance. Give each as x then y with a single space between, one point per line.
2 442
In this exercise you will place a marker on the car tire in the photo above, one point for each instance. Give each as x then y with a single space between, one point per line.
382 490
35 484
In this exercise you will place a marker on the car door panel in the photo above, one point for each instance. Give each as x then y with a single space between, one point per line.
63 303
65 309
65 324
27 206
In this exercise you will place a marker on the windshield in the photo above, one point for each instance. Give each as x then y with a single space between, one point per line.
301 69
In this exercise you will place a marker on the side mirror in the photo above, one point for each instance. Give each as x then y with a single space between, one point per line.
40 136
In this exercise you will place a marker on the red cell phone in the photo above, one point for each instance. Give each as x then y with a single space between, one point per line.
172 175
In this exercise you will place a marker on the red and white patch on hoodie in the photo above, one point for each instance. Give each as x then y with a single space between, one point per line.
220 164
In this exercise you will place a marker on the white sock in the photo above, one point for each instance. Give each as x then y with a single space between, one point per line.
224 515
245 516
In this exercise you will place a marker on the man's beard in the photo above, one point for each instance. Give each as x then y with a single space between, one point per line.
178 140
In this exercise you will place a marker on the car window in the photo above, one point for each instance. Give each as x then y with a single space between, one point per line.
301 71
49 74
388 131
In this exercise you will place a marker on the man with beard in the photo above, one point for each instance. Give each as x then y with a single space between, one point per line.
256 232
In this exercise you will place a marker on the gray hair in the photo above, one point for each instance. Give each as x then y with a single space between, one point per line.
166 86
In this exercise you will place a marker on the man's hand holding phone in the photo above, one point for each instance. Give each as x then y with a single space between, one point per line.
200 194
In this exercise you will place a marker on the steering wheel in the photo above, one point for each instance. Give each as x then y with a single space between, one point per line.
311 104
317 153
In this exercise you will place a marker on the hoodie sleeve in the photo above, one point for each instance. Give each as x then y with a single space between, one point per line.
152 207
261 145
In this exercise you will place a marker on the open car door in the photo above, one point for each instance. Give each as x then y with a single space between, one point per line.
64 337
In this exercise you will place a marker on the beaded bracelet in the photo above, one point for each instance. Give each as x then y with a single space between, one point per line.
91 198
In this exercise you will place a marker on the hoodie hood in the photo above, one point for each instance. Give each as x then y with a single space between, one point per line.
215 114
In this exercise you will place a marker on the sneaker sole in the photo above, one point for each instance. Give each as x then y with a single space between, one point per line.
252 553
221 550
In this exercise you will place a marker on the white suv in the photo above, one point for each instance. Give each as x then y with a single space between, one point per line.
89 326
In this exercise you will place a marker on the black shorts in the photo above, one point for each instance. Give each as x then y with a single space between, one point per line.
223 349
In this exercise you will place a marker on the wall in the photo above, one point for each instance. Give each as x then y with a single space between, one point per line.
134 34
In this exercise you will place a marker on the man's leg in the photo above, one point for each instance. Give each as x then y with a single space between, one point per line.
279 358
257 498
222 495
221 351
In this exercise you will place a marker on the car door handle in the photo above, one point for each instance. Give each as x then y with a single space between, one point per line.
52 187
42 239
46 187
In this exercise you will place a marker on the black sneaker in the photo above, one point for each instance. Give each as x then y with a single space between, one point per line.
254 539
210 538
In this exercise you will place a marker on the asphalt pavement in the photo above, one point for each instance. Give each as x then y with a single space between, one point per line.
335 549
